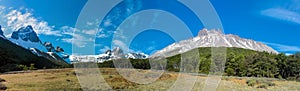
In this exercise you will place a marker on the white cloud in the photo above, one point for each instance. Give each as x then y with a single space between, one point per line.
107 23
283 14
12 20
79 38
121 44
102 36
90 32
67 30
283 48
124 47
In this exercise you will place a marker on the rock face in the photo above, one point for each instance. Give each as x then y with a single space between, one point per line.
214 38
28 38
26 34
49 46
1 32
136 55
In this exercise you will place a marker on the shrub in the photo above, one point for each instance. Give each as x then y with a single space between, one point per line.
262 83
297 78
32 67
251 82
262 86
291 78
23 67
271 84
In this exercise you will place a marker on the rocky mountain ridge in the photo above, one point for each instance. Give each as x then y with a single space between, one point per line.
213 38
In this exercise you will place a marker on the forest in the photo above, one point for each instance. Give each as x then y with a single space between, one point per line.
239 62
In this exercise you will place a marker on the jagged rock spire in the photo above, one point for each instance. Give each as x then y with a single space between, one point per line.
1 32
26 33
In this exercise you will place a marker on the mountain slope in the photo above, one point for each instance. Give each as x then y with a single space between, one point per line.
27 38
12 54
214 38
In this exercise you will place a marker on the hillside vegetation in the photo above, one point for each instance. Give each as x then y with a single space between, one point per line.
239 62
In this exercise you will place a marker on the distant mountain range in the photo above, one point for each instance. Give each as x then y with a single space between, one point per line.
27 38
213 38
116 53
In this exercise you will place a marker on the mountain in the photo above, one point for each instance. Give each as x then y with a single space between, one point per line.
27 38
136 55
1 32
116 53
213 38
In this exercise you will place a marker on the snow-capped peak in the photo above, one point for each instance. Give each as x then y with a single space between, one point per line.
116 53
213 38
27 38
26 34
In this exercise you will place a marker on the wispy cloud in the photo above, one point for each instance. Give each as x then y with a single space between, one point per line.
283 48
78 38
12 19
121 44
283 14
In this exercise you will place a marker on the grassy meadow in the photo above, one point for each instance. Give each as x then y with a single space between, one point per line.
66 80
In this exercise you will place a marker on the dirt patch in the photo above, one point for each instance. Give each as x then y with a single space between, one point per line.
167 76
119 82
237 80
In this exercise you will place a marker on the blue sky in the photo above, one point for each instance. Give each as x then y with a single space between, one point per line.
276 22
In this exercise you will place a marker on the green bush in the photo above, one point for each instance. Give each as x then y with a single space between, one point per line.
32 67
251 82
262 83
23 67
271 84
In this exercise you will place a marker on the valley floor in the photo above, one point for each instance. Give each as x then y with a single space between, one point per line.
66 80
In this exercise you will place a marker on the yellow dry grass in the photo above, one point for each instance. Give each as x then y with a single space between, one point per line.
66 80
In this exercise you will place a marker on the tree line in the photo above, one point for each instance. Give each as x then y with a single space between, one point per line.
237 62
